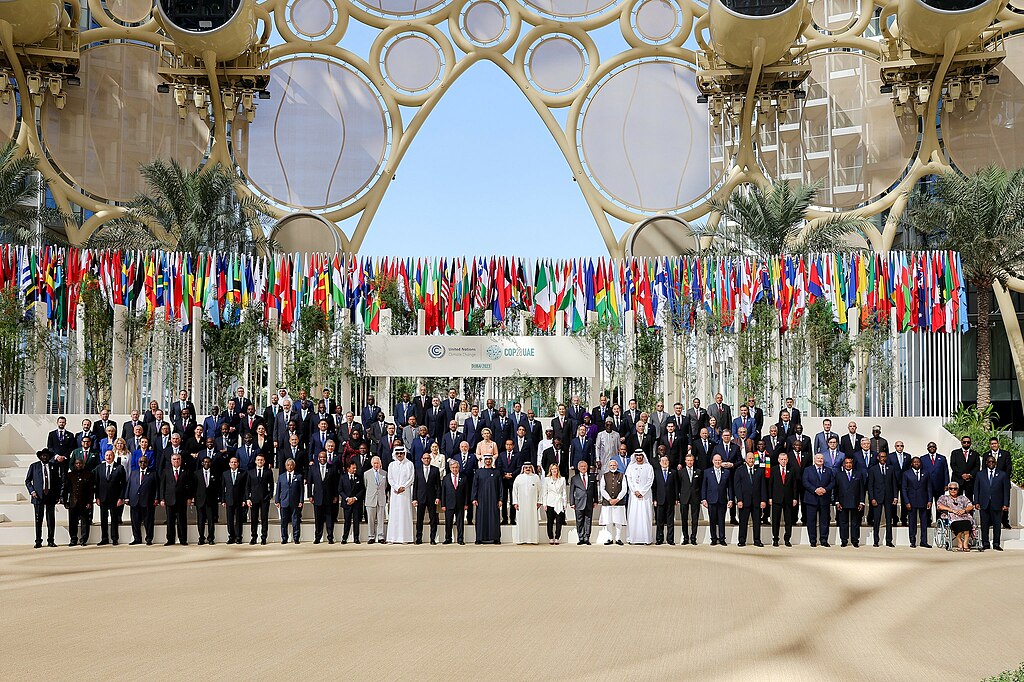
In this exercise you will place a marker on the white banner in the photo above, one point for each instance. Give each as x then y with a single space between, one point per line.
466 356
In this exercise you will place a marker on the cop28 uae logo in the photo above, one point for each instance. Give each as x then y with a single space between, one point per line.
494 351
436 351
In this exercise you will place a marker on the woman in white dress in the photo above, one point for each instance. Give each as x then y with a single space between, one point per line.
437 459
401 475
526 491
555 499
640 512
485 447
462 415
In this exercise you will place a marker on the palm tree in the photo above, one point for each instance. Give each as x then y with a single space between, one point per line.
20 214
982 217
188 210
773 221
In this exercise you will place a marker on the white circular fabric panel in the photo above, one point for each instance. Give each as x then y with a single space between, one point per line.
403 7
485 22
130 11
990 134
320 141
557 64
845 134
657 20
834 15
115 121
412 62
312 18
645 140
571 9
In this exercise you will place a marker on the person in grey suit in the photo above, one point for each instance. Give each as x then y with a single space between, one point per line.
376 481
288 500
658 419
720 411
583 497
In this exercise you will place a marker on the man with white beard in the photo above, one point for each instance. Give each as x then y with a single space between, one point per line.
526 498
614 489
607 444
640 514
401 475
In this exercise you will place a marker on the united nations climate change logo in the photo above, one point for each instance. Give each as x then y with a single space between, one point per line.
436 351
494 351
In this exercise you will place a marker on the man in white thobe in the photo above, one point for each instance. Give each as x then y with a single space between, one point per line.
544 444
640 514
401 475
526 497
614 489
606 444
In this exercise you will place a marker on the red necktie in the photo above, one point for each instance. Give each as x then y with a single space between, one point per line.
783 477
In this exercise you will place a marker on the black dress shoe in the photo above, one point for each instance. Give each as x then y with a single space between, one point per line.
814 544
926 545
775 543
497 542
135 542
253 541
149 543
671 542
168 543
723 543
102 542
73 543
889 544
758 544
825 544
418 542
581 542
262 542
913 545
39 543
741 544
371 541
210 542
316 541
183 543
83 543
433 542
659 542
114 543
844 543
296 542
331 541
356 541
479 542
462 542
693 540
586 542
283 542
447 542
344 541
619 542
788 543
201 541
876 544
856 544
684 541
1007 526
51 543
997 548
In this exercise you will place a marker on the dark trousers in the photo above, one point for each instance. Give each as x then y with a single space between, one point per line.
206 518
323 515
848 519
748 515
716 521
889 511
1006 518
235 517
990 518
689 512
353 515
79 521
584 519
816 522
506 501
919 516
142 518
45 509
177 522
110 522
259 515
454 516
430 510
783 513
665 517
555 521
292 516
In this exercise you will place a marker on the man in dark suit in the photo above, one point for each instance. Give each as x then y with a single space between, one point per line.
421 403
602 411
641 437
554 455
288 499
453 503
582 449
819 482
794 413
1004 463
293 450
518 417
175 494
799 459
702 449
111 480
351 492
849 497
697 418
799 435
403 410
562 428
751 497
99 427
900 462
322 493
259 490
716 497
270 413
534 429
720 411
128 428
675 447
917 497
665 493
575 410
690 477
757 414
77 497
965 463
582 498
61 443
233 489
450 405
249 422
467 463
185 424
850 442
182 404
729 451
522 444
369 412
434 420
936 469
501 426
140 496
426 496
207 500
509 465
883 484
993 500
782 497
449 443
388 442
45 488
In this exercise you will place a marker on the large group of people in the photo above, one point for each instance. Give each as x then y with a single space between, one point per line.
438 459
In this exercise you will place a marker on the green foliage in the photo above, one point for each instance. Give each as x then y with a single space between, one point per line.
774 221
136 337
403 320
757 350
648 367
1015 675
832 354
537 393
20 189
188 210
873 343
610 348
230 345
97 334
22 342
968 420
306 364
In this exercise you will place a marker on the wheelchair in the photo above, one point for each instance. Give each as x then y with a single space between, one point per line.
945 539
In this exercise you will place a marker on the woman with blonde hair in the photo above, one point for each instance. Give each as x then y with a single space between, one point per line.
121 454
554 498
485 447
462 415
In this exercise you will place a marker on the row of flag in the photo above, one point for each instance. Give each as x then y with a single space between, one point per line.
921 290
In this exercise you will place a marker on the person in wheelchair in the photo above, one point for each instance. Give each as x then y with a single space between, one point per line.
959 512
